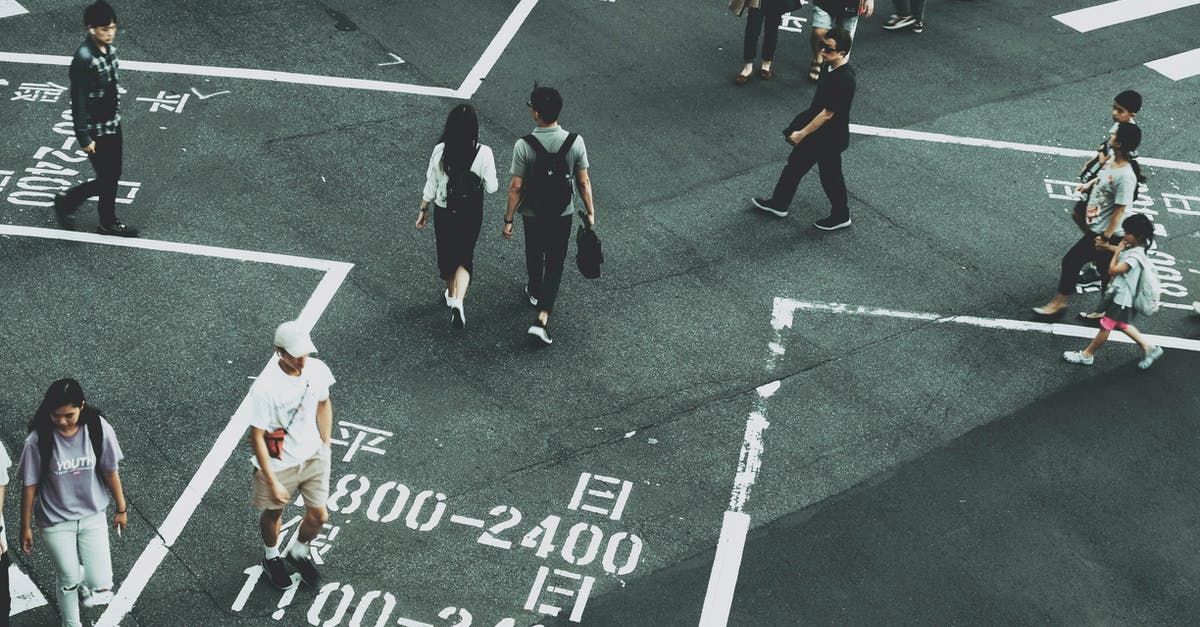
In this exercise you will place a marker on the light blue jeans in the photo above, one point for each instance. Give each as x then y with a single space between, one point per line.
69 544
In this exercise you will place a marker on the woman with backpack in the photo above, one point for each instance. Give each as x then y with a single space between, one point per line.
1129 269
460 170
1110 194
69 469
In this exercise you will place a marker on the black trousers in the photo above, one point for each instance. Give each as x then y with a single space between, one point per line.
107 163
5 595
546 241
765 19
1082 252
828 160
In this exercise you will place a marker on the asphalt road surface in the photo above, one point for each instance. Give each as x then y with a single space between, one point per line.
900 438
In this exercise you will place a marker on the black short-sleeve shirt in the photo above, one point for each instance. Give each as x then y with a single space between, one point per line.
835 92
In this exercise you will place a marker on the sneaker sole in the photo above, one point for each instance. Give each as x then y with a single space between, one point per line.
770 210
836 227
456 319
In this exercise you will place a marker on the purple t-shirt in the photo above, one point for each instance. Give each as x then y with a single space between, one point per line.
73 490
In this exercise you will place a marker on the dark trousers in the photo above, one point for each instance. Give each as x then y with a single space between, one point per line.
5 595
107 163
1082 252
546 241
829 162
765 19
455 233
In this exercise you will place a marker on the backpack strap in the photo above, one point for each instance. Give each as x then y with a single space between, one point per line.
566 145
96 435
535 144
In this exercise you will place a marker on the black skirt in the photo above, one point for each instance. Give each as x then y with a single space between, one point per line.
456 231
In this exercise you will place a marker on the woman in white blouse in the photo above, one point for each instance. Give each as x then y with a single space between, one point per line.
460 170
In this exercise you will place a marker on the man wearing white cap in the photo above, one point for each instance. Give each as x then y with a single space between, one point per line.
291 422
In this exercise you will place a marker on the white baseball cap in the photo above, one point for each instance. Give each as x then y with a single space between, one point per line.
292 337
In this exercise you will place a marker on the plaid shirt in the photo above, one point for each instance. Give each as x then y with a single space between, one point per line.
95 102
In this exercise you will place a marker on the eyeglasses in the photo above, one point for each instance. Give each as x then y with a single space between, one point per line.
827 49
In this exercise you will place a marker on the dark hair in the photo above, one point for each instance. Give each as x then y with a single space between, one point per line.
842 38
1129 136
99 13
1141 227
547 102
460 135
61 392
1130 100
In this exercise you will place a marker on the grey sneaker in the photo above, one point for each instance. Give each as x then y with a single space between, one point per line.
1150 358
277 573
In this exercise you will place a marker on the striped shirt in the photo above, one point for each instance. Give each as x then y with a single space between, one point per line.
95 101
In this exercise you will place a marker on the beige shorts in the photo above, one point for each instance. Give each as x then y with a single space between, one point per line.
310 477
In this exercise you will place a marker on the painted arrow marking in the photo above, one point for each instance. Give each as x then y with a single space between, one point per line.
203 97
397 61
25 595
9 8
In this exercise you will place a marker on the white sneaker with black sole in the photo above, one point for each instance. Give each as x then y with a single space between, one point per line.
765 205
538 330
458 317
831 224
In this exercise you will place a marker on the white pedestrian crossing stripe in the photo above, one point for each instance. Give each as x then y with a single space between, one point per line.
9 8
1178 66
1113 13
25 595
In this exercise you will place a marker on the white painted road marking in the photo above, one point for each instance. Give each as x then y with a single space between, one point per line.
25 595
206 97
231 436
486 62
788 307
1178 66
9 8
397 60
1113 13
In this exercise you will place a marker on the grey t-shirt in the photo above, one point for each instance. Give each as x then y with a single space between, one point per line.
73 490
1114 188
552 139
1125 286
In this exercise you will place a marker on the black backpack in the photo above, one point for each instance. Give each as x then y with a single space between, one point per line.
464 189
547 189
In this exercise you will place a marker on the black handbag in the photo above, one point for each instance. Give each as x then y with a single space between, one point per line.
588 255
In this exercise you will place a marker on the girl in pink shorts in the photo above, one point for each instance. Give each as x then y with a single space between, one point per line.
1128 262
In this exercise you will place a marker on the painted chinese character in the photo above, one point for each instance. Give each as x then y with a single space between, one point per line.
172 102
580 588
792 23
1182 205
5 177
600 493
39 92
365 439
319 545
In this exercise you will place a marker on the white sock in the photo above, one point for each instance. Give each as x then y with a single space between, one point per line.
299 549
271 552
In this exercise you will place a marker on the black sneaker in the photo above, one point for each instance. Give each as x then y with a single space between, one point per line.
765 205
919 27
831 223
532 299
306 568
64 214
1088 276
118 229
277 572
538 330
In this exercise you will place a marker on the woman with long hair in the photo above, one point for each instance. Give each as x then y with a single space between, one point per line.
1111 192
69 469
460 170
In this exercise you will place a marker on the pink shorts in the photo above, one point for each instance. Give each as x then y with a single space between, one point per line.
1108 324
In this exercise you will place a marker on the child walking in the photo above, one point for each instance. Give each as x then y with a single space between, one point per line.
1128 263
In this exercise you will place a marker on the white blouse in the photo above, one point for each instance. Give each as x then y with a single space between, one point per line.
436 179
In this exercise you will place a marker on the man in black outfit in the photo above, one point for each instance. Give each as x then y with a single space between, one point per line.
95 109
819 135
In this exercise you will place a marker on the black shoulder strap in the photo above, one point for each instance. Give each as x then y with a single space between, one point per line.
566 145
96 435
535 144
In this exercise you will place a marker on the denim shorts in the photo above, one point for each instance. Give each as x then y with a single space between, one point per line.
825 21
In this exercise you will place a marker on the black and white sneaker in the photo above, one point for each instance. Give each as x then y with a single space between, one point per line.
63 213
118 229
765 205
532 299
918 27
831 223
305 566
898 22
458 317
277 572
538 330
446 296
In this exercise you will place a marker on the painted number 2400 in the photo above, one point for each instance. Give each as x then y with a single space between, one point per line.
580 548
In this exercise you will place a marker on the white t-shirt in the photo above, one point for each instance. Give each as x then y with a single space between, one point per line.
436 178
5 464
277 400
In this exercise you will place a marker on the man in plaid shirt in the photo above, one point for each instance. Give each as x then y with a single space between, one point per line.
95 107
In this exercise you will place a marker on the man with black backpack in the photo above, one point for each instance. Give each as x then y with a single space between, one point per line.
549 165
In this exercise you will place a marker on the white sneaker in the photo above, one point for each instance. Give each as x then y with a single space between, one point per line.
532 299
1077 357
539 331
1150 358
449 301
458 317
95 599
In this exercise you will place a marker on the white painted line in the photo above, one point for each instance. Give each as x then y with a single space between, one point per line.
173 525
1178 66
749 460
1053 328
463 520
899 133
246 73
1119 12
726 564
9 8
492 54
25 595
